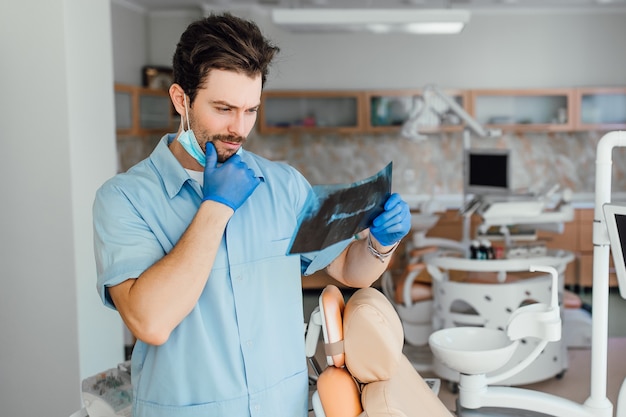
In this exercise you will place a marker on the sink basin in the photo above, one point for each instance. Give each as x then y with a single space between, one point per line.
472 350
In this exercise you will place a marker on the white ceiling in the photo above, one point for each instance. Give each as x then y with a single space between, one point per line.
473 5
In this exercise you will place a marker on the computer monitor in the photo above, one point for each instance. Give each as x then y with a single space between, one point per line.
615 216
487 171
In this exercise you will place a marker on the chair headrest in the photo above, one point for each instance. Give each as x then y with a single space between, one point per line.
373 336
331 304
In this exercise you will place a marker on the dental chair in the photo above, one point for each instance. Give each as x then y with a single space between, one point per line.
367 375
410 293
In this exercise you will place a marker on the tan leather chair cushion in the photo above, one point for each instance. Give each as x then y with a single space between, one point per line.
339 393
373 336
373 341
404 395
332 304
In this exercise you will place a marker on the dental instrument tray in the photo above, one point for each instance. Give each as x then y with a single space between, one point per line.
109 393
514 208
449 260
495 213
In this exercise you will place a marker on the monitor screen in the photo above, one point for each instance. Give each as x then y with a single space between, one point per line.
615 216
487 171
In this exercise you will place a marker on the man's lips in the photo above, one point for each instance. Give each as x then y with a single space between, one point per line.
230 140
231 144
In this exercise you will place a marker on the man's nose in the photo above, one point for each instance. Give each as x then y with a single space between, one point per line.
237 126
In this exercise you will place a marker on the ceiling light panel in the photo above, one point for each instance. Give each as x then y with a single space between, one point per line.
375 20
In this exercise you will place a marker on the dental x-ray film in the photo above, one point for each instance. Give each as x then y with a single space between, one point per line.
337 212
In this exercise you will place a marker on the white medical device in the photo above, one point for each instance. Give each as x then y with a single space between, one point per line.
487 171
615 216
108 393
476 352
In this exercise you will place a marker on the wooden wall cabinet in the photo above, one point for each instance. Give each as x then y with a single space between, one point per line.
585 244
600 108
372 111
387 110
310 111
142 111
569 241
576 237
533 110
450 226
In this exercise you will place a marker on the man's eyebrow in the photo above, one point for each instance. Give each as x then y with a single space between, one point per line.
227 104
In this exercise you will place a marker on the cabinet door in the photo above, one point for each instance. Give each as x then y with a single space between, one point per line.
585 247
567 240
600 108
387 110
450 226
586 271
546 110
141 111
311 111
125 102
155 111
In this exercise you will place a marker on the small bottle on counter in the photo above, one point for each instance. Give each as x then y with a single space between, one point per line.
487 248
474 249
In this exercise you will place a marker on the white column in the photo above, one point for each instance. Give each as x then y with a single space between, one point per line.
58 146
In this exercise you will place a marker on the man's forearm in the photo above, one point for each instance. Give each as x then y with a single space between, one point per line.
357 266
153 304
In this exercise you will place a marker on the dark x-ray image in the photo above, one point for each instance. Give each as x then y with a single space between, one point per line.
338 212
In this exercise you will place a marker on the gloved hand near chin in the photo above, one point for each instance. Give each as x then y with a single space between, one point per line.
392 224
231 183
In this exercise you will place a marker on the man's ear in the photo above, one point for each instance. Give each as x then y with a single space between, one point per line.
177 95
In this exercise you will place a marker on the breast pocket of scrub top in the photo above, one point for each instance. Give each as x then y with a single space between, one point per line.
272 243
264 225
278 247
280 234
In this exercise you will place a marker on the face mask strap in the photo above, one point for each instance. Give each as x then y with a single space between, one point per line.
186 113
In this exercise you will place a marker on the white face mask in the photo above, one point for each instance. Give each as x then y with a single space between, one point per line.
188 139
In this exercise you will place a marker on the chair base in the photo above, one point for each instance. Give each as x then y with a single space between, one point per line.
496 412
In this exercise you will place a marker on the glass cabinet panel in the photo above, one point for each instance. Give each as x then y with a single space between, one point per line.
154 111
602 108
123 110
309 110
388 110
524 110
142 111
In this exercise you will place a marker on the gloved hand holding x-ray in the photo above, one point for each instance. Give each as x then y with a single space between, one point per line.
392 224
337 212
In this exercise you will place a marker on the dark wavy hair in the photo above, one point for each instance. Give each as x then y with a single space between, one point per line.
222 42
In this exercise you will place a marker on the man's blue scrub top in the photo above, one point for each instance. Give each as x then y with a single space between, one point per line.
240 352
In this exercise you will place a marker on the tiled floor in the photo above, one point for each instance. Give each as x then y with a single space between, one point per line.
575 381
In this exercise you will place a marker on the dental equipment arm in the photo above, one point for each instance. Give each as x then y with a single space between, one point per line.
410 129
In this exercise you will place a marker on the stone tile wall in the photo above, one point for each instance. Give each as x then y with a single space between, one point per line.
429 167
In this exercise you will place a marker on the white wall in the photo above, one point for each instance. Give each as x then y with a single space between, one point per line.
58 147
130 42
496 50
164 30
140 39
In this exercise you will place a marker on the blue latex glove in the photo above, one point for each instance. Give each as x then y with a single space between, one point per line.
392 224
231 183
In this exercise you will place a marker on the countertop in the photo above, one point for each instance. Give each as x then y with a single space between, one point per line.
454 201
